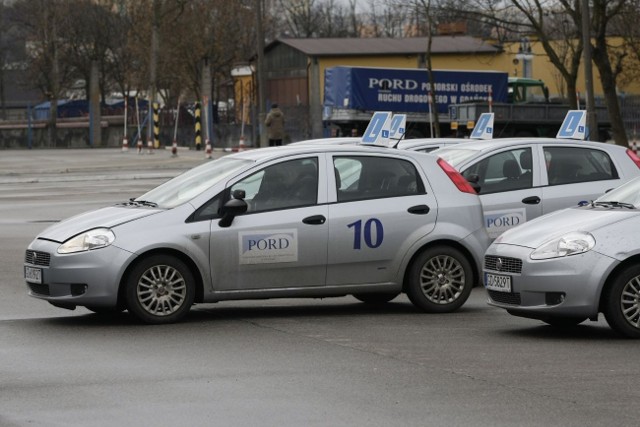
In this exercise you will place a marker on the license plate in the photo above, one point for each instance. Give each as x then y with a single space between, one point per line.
33 275
497 282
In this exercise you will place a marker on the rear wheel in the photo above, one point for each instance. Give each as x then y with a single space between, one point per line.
621 304
376 298
440 280
160 289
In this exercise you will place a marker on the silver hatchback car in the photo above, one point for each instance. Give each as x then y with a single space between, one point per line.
570 265
519 179
316 221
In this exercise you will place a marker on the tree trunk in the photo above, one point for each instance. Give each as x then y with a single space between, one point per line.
608 81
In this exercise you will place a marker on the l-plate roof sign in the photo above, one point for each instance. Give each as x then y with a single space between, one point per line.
574 125
377 132
483 128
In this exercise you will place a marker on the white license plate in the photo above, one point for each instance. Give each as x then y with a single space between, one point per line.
497 282
33 275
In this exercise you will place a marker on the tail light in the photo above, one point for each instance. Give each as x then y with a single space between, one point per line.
634 157
460 182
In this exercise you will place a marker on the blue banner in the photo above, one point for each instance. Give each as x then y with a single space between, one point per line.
407 90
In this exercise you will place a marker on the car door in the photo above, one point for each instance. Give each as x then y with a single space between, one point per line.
281 241
383 205
509 186
576 174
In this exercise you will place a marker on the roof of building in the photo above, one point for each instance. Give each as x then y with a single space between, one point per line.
387 46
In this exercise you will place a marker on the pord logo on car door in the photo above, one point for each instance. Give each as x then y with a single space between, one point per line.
497 222
269 246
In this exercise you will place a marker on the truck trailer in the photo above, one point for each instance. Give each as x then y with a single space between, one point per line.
521 106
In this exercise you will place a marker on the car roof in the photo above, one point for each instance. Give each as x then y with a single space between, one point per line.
329 141
268 153
420 142
490 144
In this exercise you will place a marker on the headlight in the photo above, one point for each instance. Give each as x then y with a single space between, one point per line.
573 243
92 239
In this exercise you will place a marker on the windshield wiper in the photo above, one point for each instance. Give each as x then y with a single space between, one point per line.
133 202
614 204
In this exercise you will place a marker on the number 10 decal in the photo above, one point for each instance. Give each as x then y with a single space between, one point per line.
372 240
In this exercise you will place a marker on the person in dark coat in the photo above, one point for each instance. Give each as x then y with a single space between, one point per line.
275 125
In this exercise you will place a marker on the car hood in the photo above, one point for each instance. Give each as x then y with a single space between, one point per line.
105 217
533 233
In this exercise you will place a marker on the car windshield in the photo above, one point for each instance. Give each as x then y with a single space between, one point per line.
628 194
454 155
188 185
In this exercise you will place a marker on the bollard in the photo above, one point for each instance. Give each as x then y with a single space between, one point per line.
139 146
125 145
174 148
150 146
208 150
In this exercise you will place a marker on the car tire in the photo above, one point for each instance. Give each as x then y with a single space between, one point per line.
376 297
160 289
440 280
564 322
621 302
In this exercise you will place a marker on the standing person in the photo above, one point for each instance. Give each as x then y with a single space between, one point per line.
275 125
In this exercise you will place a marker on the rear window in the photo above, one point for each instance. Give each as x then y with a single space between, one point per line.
360 178
567 165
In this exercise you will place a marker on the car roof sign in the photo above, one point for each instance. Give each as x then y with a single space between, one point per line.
484 127
574 125
377 132
398 126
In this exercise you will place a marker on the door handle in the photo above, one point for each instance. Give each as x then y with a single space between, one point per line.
315 220
533 200
419 210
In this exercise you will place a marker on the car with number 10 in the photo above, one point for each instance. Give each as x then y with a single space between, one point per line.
305 221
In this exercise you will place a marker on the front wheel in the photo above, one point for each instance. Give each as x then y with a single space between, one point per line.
160 289
621 304
440 280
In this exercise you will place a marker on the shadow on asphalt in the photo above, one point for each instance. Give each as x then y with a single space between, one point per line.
582 332
212 312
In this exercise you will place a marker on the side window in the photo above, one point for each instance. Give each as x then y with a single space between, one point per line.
567 165
505 171
289 184
209 210
364 177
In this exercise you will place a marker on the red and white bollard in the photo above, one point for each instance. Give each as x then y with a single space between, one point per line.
241 146
139 146
125 145
150 147
208 150
174 148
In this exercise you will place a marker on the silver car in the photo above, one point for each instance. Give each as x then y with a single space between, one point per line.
316 221
519 179
570 265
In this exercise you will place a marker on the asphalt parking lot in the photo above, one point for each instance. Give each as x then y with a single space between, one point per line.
276 362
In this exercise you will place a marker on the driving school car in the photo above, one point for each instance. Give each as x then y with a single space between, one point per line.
316 221
570 265
519 179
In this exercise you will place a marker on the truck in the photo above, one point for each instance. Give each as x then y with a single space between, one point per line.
521 106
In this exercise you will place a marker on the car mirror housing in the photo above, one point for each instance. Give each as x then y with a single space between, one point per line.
231 209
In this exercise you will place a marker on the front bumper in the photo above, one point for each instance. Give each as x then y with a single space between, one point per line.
558 287
85 278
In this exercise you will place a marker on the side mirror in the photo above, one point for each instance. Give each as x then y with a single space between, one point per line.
231 209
